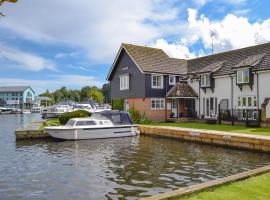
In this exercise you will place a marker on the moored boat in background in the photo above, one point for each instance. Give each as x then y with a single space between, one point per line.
55 110
37 109
26 111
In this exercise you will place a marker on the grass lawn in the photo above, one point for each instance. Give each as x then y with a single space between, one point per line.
254 188
50 122
217 127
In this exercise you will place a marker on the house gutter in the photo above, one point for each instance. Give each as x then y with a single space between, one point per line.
258 100
231 93
199 99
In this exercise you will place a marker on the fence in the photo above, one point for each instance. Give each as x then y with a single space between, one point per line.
251 117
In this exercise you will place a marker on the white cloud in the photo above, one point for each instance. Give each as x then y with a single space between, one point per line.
232 32
65 55
235 1
99 27
24 60
175 50
201 2
242 12
55 82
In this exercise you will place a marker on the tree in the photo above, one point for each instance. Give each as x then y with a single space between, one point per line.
96 95
10 1
86 92
106 92
58 96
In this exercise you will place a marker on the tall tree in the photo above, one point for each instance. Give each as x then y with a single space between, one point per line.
106 92
10 1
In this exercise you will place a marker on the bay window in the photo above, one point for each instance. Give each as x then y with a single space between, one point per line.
243 76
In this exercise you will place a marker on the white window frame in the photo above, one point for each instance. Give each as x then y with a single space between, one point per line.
205 80
207 111
247 99
157 103
155 86
241 76
124 82
173 82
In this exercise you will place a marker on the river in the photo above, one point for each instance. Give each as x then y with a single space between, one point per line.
123 168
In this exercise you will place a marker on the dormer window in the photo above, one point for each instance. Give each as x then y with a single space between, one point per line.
243 76
205 80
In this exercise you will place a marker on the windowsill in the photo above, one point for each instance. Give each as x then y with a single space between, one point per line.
205 86
124 89
243 83
157 87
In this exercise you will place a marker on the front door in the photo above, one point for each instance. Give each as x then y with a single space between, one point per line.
126 105
190 107
210 107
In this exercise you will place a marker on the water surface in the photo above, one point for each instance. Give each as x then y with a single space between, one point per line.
124 168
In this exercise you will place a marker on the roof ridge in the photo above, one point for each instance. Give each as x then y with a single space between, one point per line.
233 50
143 46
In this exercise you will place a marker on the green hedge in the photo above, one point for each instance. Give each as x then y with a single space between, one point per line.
63 118
118 104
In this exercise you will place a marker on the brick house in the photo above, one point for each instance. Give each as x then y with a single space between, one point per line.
165 88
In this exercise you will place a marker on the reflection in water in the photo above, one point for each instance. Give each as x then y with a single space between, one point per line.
122 168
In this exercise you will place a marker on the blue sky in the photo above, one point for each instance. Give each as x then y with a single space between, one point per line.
49 44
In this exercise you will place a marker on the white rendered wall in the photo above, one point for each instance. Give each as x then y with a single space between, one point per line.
264 86
223 88
195 86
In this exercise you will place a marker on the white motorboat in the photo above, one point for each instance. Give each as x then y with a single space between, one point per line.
4 110
55 110
105 124
16 111
83 106
36 109
25 111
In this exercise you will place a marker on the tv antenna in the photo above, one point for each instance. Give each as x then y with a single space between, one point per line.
212 35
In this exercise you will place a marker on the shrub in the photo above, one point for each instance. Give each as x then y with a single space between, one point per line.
135 115
138 118
118 104
63 118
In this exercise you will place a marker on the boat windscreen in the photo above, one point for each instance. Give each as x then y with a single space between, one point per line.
70 122
115 117
125 117
85 123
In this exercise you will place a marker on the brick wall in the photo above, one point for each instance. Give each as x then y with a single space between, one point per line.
143 105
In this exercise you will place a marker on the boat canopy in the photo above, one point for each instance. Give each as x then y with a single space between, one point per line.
117 117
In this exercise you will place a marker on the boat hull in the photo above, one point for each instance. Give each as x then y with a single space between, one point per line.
52 115
92 133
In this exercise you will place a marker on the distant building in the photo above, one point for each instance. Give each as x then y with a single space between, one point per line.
17 96
43 101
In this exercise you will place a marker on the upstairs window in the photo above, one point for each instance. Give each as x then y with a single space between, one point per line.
124 82
157 81
243 76
172 80
205 80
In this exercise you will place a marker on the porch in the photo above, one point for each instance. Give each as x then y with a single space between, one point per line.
181 102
